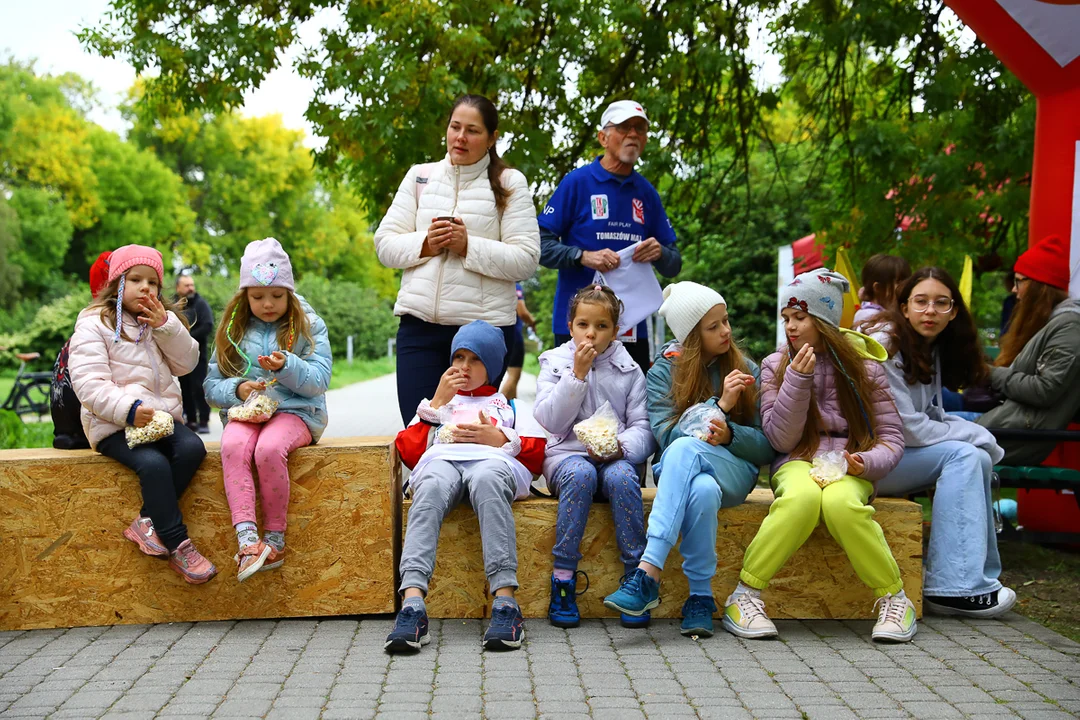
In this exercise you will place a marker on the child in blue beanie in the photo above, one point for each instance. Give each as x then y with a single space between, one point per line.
463 446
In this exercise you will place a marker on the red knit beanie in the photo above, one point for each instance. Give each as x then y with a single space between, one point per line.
99 273
1047 262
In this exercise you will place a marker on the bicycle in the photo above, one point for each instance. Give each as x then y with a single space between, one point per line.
32 391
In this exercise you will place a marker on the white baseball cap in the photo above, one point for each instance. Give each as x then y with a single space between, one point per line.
620 111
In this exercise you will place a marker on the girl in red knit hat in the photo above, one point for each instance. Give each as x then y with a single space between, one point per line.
126 352
1038 369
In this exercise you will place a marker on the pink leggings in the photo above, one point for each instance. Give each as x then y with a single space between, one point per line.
269 446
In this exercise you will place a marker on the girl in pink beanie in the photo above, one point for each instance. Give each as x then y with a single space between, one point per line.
127 349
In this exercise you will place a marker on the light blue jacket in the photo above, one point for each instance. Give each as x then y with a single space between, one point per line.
301 384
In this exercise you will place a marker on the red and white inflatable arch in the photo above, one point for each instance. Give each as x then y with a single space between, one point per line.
1039 41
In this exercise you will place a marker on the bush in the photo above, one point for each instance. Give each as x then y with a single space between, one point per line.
50 328
16 434
350 309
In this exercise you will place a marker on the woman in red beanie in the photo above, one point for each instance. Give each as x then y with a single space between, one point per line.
1038 369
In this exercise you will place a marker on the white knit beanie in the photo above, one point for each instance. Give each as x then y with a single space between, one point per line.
685 303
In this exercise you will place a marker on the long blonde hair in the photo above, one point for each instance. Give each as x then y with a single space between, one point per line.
292 326
105 303
854 391
691 384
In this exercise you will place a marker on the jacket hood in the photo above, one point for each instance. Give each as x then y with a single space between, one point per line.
1070 305
866 346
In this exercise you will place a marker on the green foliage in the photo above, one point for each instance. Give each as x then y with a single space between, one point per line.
349 309
45 232
14 433
10 239
50 328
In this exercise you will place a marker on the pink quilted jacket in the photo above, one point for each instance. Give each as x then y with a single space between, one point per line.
108 377
783 413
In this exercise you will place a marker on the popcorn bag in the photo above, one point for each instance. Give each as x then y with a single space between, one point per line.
828 467
159 427
451 417
600 432
697 420
258 408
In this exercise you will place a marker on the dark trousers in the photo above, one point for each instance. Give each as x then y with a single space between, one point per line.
639 350
165 469
191 386
423 355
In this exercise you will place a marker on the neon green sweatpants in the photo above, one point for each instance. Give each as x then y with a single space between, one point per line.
799 507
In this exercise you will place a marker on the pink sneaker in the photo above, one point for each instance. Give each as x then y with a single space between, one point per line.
187 561
274 559
141 532
250 559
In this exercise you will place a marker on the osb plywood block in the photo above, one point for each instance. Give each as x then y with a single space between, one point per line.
817 583
64 562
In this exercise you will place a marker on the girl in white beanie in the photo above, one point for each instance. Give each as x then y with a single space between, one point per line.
696 477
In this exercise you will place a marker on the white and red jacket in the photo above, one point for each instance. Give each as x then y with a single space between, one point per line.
523 451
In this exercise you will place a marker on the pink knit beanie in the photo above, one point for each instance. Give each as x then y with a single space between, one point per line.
127 257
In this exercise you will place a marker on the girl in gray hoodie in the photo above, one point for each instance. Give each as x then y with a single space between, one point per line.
933 342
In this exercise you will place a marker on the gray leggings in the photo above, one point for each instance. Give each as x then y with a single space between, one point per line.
438 488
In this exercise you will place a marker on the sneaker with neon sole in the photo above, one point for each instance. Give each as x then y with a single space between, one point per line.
896 619
745 617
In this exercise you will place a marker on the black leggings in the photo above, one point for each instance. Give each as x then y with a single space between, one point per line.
165 469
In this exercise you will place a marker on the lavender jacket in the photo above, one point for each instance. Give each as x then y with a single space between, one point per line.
562 401
784 409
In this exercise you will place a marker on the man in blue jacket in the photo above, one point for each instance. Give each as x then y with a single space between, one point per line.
601 208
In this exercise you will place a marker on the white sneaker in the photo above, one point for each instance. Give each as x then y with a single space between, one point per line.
745 616
896 619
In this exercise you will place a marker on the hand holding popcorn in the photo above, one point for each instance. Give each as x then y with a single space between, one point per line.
159 427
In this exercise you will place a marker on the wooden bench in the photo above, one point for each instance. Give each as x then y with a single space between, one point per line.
818 582
64 562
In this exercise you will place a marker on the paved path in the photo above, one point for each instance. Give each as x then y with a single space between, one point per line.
336 669
370 408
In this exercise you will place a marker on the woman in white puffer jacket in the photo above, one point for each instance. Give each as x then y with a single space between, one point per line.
464 231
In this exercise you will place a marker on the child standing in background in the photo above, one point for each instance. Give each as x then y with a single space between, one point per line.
882 277
826 391
576 379
127 349
271 341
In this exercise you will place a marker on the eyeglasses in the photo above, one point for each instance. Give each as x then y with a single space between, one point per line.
640 127
921 303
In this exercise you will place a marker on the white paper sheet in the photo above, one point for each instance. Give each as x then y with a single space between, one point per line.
636 285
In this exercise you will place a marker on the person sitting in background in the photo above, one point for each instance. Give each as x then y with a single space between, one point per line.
1038 369
882 277
64 406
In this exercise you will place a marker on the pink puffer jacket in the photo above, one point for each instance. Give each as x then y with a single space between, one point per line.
108 377
783 411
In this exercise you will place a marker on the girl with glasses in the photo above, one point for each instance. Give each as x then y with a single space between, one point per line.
934 344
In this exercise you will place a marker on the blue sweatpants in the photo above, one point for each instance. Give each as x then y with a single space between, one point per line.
694 480
575 483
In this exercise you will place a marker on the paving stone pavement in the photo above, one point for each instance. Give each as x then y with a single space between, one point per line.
335 668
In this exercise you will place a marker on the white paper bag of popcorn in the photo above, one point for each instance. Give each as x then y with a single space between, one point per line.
159 427
599 433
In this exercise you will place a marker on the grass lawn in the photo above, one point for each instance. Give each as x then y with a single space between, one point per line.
360 370
531 364
1047 584
7 379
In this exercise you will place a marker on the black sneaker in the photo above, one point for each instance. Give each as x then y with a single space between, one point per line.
507 628
410 631
987 605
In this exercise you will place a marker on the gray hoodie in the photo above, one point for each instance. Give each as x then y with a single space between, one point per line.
925 422
1042 386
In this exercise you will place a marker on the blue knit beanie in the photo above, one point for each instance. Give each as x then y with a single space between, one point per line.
484 340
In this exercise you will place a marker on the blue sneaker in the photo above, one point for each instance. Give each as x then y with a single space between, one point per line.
697 614
635 621
410 631
563 610
506 629
637 594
